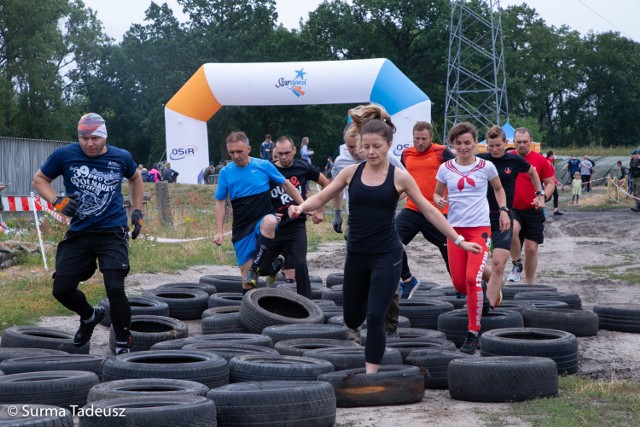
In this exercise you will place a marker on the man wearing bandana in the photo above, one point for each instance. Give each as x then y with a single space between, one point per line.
92 172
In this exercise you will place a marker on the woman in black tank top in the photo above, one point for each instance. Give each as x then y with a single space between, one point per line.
374 251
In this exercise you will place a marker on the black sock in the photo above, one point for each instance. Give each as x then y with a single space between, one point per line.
260 262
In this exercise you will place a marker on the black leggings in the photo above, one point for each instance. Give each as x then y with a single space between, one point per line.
65 290
370 281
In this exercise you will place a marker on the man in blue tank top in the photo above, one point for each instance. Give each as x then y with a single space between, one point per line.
247 183
92 172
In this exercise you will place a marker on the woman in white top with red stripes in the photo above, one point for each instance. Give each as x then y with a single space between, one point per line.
466 178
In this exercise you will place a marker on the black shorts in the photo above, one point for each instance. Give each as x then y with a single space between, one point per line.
501 239
78 251
531 224
410 222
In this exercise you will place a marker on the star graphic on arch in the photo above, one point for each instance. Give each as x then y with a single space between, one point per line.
300 74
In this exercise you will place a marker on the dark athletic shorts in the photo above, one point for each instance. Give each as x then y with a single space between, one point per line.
499 239
531 224
78 251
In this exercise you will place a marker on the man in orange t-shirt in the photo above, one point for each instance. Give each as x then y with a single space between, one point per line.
422 162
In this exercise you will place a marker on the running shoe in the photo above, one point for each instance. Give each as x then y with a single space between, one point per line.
408 289
516 273
470 343
277 266
251 279
123 347
83 335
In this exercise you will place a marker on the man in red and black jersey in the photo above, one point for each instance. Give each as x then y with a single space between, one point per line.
291 236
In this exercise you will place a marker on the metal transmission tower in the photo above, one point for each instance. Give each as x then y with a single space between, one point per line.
476 78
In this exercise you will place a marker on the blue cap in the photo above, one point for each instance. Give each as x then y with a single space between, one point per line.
634 152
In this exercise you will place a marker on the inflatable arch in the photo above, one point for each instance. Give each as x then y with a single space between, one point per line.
285 83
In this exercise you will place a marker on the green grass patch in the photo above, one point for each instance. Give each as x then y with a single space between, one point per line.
583 402
591 150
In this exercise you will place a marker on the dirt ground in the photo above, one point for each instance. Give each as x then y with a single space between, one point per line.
573 242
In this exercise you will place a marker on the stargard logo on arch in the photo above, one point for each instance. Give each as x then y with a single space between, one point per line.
183 152
295 84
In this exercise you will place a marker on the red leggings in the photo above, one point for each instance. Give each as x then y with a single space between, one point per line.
467 267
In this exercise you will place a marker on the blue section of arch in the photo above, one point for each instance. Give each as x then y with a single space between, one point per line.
394 91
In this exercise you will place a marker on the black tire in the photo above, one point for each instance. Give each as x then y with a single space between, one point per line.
60 388
424 293
227 283
66 362
455 301
152 411
410 333
509 291
573 300
220 310
424 314
149 330
280 368
329 312
139 305
581 323
286 403
229 350
41 337
560 346
225 299
266 307
332 294
13 352
206 287
227 323
406 346
38 416
618 317
502 379
351 357
184 304
286 332
206 368
334 279
434 363
296 347
324 302
391 385
145 386
538 303
403 322
455 324
515 305
240 338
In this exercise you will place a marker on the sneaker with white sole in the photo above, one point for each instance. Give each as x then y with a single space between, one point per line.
277 265
123 347
516 273
408 289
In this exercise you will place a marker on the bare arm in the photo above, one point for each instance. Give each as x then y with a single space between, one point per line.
42 184
438 195
328 193
322 181
136 190
292 191
220 210
337 201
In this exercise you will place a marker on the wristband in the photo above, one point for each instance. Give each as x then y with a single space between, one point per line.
459 240
540 193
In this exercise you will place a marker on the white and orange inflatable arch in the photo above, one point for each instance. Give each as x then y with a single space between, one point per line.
285 83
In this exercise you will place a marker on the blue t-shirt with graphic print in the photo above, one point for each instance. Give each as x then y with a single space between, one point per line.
98 180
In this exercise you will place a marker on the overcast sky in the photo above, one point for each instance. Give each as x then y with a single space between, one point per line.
582 15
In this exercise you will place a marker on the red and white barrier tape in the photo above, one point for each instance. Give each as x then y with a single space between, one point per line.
623 191
45 207
22 204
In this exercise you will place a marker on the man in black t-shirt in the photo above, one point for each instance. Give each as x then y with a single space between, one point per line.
509 166
291 236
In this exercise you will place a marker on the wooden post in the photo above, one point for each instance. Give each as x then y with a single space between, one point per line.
164 202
